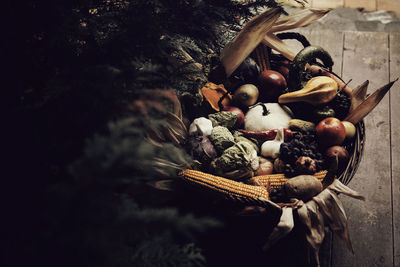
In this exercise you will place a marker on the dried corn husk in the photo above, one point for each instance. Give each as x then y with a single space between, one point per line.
358 95
298 19
295 20
310 215
284 227
280 46
333 209
337 186
326 206
248 39
369 104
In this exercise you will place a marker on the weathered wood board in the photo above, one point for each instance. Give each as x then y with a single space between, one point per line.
375 223
368 5
365 56
331 41
394 56
389 5
327 3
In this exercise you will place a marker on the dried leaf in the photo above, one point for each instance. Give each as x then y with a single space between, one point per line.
280 46
333 209
248 39
369 104
177 124
165 185
173 131
298 19
341 188
311 216
214 93
284 227
295 20
155 136
153 141
358 95
170 135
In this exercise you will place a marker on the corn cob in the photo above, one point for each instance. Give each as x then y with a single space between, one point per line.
275 181
245 193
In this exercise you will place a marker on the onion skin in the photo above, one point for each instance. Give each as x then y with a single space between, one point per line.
246 95
266 167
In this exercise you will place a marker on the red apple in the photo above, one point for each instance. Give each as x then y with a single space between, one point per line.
330 132
341 153
271 85
238 112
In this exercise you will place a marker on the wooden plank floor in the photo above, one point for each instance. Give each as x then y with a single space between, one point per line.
367 5
394 56
375 223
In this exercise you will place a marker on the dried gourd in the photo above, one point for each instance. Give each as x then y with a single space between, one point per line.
318 90
306 57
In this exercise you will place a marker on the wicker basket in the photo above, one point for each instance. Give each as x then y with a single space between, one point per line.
262 55
252 194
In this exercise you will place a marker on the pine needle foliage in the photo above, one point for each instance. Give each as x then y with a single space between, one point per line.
83 198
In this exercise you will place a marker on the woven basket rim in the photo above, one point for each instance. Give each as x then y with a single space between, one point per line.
356 153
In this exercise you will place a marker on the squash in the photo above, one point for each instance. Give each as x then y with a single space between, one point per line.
267 116
308 55
318 90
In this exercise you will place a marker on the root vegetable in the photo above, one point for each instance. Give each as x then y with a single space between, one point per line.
303 187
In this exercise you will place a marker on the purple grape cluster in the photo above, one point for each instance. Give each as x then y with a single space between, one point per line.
304 143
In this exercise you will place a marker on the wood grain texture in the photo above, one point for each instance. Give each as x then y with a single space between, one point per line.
327 3
331 41
389 5
395 130
368 5
296 4
366 57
